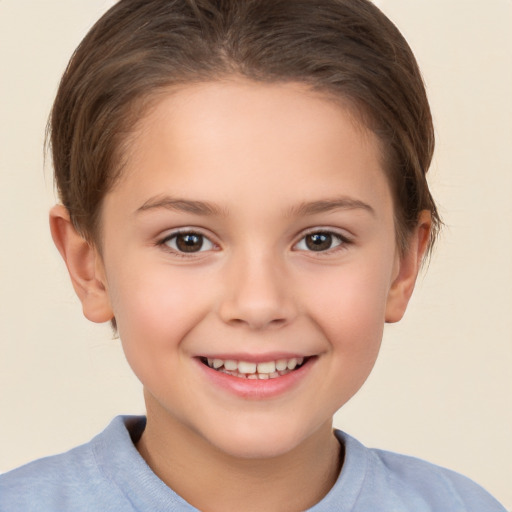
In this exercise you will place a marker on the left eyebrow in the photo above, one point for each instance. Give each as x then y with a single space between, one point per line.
328 205
181 205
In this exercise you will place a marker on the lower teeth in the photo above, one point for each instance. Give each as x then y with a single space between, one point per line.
254 376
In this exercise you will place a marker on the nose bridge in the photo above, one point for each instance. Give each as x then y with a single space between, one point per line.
255 290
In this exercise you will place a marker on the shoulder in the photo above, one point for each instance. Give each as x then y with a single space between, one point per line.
386 480
432 483
70 481
46 484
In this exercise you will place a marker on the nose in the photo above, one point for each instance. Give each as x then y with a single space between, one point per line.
257 294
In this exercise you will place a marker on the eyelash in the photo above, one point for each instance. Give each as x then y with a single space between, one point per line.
342 242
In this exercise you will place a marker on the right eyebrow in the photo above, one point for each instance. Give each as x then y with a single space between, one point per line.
328 205
180 205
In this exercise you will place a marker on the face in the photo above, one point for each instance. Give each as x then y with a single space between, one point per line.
249 258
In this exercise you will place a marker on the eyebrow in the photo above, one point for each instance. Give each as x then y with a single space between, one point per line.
181 205
328 205
208 209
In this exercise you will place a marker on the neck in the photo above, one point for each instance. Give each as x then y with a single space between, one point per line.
214 481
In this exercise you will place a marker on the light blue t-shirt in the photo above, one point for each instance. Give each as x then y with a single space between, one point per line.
108 474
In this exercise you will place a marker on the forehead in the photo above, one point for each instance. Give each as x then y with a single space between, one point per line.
238 141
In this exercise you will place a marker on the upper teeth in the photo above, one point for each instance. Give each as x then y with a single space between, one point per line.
246 367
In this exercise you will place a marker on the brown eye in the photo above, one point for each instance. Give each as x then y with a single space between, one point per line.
189 242
320 241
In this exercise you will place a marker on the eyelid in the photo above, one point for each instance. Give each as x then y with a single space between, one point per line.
342 233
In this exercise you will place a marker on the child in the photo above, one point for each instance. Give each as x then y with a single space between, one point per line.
244 198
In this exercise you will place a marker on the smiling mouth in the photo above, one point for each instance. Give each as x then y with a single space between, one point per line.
250 370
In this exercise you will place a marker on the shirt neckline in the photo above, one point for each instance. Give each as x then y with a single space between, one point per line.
118 459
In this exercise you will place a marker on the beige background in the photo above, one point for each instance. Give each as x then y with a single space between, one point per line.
442 389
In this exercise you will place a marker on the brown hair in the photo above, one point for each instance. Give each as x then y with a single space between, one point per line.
347 48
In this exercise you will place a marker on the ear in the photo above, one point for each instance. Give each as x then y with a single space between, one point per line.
408 266
84 265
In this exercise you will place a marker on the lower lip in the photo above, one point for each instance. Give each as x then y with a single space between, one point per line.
258 389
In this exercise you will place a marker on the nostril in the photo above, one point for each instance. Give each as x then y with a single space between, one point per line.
257 322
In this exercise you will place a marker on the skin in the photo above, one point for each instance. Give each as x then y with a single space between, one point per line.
253 168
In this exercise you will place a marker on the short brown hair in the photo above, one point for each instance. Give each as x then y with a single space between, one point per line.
347 48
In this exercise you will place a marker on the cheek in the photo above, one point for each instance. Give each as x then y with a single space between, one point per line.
155 309
349 305
154 312
349 308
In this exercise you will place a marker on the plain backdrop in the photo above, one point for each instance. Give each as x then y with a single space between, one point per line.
442 389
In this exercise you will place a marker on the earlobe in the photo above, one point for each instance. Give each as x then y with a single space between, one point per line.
84 266
409 265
